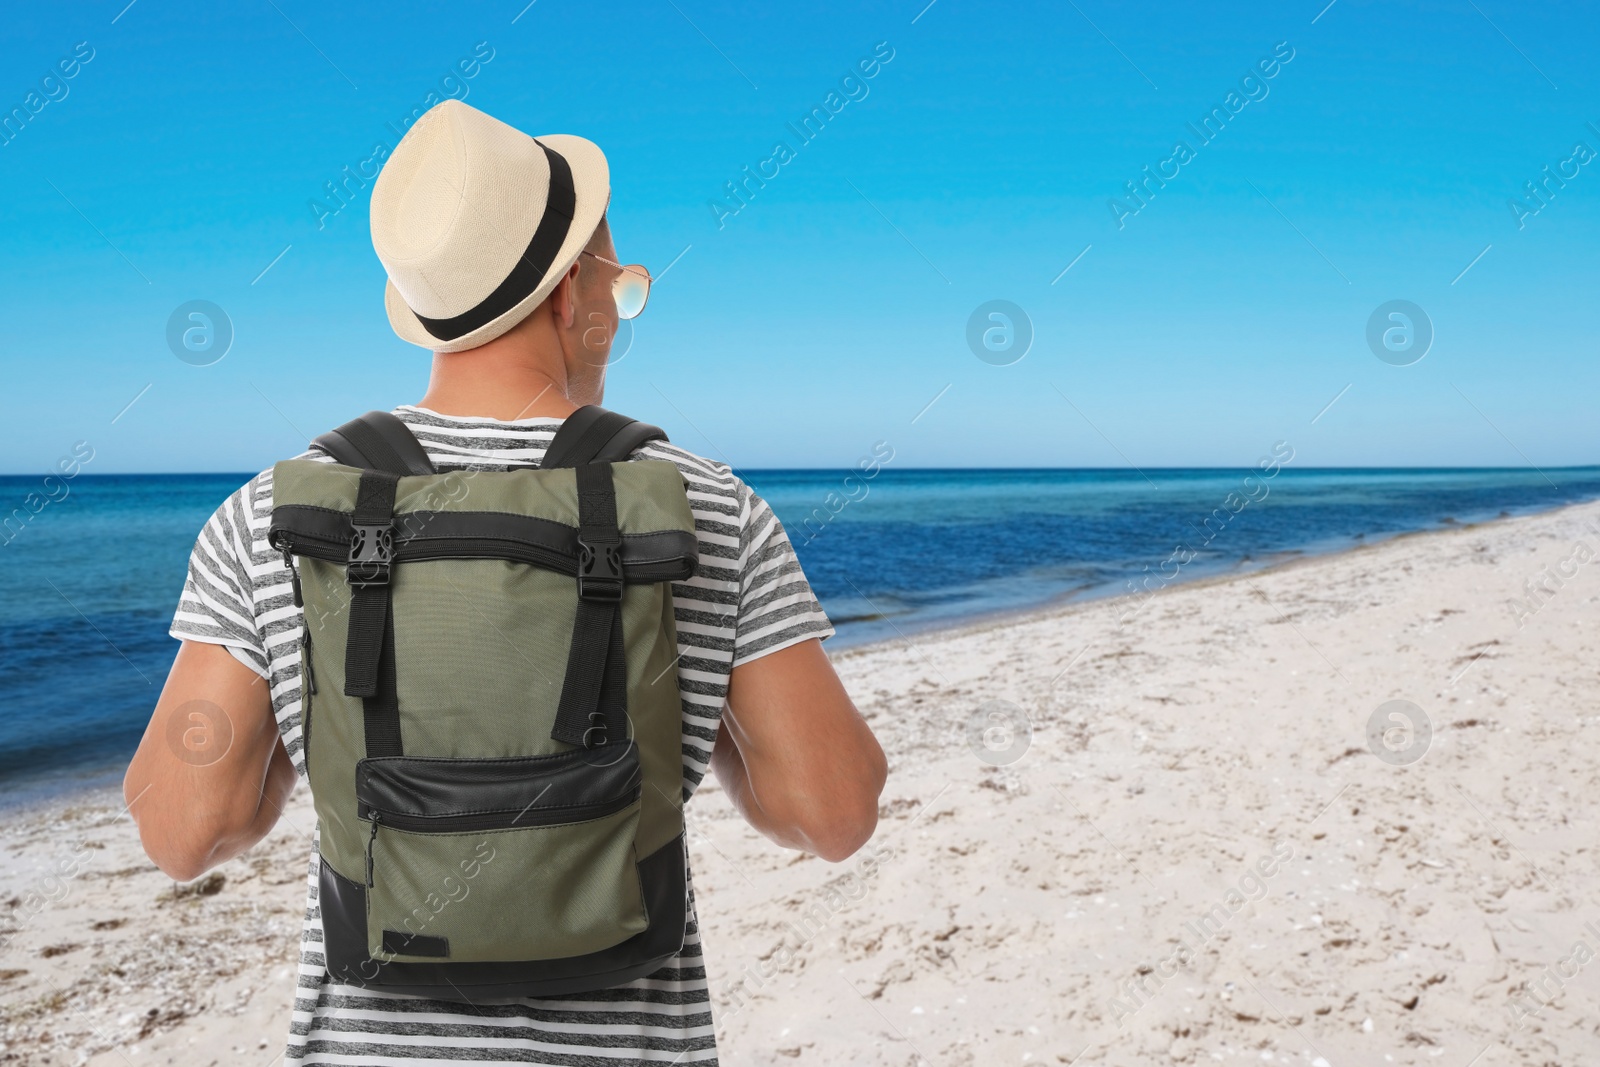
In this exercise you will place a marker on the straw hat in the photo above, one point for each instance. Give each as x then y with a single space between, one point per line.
476 222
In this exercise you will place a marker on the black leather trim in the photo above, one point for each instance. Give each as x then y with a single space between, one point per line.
322 533
628 440
343 905
399 943
339 447
594 435
378 440
532 787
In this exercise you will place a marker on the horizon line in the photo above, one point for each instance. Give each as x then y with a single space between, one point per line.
887 469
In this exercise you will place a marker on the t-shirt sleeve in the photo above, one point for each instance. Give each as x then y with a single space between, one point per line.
776 605
217 605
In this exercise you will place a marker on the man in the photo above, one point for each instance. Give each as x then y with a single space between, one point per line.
501 261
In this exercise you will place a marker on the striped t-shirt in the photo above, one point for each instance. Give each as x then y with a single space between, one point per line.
747 598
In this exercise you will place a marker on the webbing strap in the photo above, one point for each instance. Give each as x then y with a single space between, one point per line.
594 693
597 505
380 713
369 621
375 498
369 671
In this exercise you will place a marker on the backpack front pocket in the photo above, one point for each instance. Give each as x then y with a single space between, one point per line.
478 860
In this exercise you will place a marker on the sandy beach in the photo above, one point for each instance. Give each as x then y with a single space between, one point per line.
1183 846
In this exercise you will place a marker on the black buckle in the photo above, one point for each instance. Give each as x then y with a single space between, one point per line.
600 571
371 554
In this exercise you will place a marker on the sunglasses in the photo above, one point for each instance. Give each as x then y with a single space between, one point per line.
631 289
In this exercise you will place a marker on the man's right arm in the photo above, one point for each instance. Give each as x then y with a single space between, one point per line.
796 757
211 774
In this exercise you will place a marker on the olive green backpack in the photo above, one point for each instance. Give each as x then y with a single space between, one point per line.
489 708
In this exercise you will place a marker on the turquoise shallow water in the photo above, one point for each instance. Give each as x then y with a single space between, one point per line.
87 585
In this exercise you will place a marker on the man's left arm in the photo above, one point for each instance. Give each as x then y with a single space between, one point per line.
211 774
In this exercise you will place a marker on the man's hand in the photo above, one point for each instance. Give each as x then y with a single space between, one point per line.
796 757
211 774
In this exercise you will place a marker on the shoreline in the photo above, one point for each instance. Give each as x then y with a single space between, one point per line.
108 791
1066 602
54 787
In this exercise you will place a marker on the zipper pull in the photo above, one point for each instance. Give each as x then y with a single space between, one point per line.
294 575
305 659
307 690
370 839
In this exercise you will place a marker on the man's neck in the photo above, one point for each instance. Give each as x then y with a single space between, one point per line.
498 383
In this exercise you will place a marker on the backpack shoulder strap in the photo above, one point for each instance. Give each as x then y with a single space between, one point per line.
594 435
376 441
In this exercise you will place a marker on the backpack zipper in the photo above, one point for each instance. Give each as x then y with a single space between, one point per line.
372 837
500 820
294 574
307 691
309 688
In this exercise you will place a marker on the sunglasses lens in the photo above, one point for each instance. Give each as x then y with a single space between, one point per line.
631 289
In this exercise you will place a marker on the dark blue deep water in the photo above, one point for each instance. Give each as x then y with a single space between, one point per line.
88 583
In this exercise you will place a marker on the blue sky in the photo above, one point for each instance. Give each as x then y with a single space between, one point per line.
827 313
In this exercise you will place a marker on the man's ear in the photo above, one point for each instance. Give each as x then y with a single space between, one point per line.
563 300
